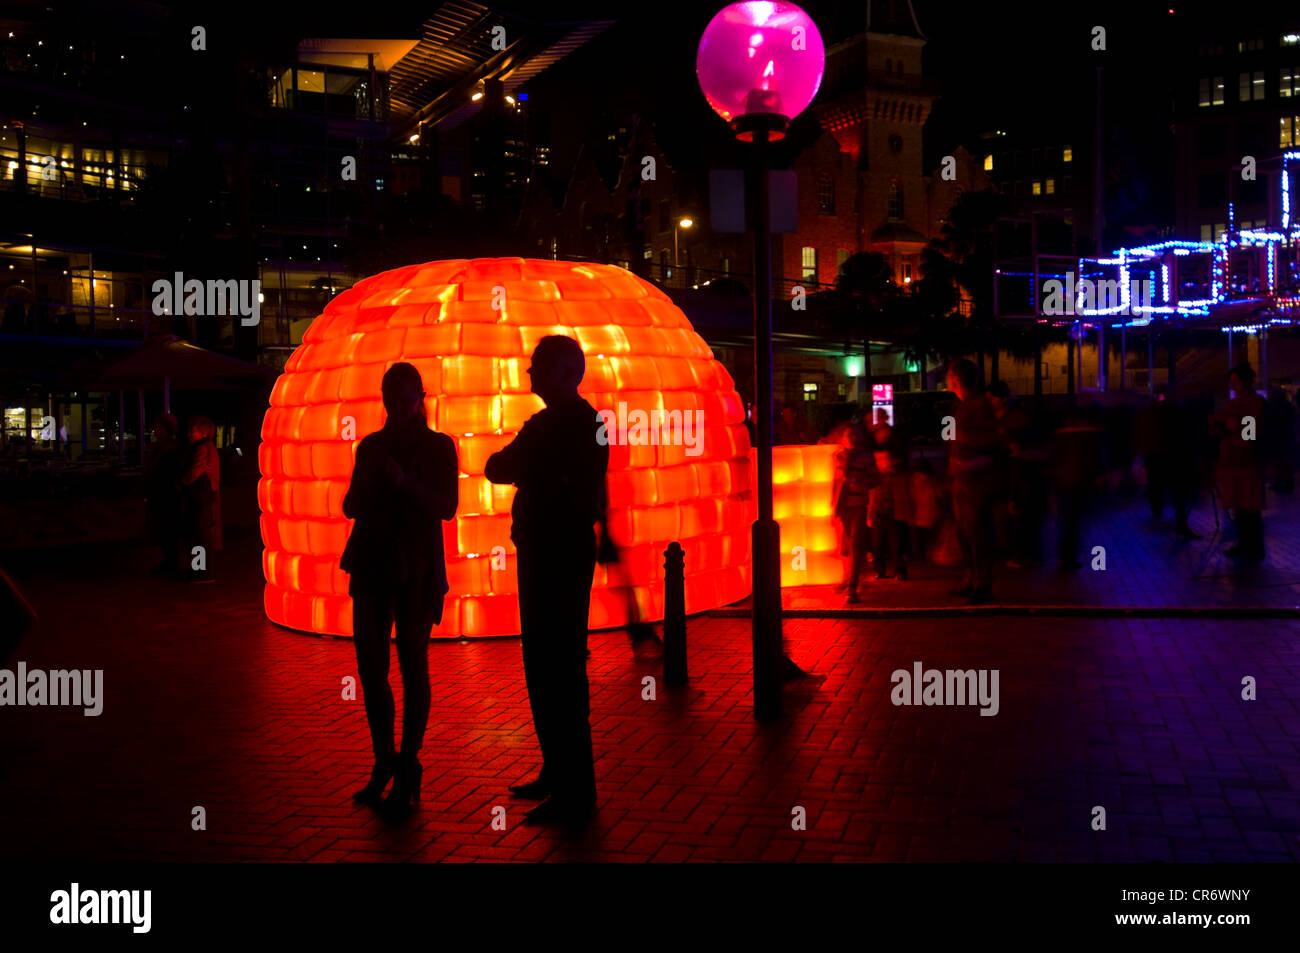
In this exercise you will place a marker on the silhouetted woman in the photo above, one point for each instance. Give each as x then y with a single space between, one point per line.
403 486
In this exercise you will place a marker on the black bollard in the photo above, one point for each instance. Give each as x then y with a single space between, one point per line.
674 614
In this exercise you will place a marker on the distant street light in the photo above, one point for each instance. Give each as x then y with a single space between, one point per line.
684 223
759 65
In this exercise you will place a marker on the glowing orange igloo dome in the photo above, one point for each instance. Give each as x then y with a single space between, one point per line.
470 327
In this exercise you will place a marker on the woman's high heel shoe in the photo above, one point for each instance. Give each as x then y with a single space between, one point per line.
405 794
380 775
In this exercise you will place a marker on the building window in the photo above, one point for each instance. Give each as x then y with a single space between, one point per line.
988 163
809 391
1250 86
1067 154
1287 84
1204 99
1207 233
896 202
1219 229
726 266
841 256
1037 187
808 264
1051 187
825 194
1217 90
1287 134
1290 39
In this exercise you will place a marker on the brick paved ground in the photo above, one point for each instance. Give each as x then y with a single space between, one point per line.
209 704
1146 566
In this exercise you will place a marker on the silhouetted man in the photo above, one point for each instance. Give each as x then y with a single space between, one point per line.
558 464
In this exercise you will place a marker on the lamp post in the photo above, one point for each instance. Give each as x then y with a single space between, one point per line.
759 65
681 223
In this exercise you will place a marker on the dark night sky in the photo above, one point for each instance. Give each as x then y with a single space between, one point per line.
1014 66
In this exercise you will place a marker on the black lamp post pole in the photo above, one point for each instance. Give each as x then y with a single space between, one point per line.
766 538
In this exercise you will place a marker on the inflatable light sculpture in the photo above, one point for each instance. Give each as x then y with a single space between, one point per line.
470 326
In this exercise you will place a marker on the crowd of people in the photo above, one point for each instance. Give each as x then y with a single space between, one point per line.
183 486
1009 469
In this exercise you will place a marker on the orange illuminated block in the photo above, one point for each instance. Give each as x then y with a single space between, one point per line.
473 449
469 327
470 374
472 414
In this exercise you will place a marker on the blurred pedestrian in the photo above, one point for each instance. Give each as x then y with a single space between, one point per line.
1078 468
888 506
975 479
201 500
793 428
1241 464
1023 454
923 493
854 477
1280 429
163 471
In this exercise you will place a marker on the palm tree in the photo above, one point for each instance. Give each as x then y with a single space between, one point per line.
966 240
864 303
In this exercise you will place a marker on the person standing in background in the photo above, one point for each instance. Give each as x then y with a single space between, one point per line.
975 479
201 501
1241 463
163 473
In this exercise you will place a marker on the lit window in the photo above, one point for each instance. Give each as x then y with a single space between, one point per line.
1205 92
1067 154
1051 186
825 195
808 263
841 256
1286 81
809 391
1290 39
1207 233
1286 135
1218 90
1257 83
988 163
896 202
1038 187
1219 229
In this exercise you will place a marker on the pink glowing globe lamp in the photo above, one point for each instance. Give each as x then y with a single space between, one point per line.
759 64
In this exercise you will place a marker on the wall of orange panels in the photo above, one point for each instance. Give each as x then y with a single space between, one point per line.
802 480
